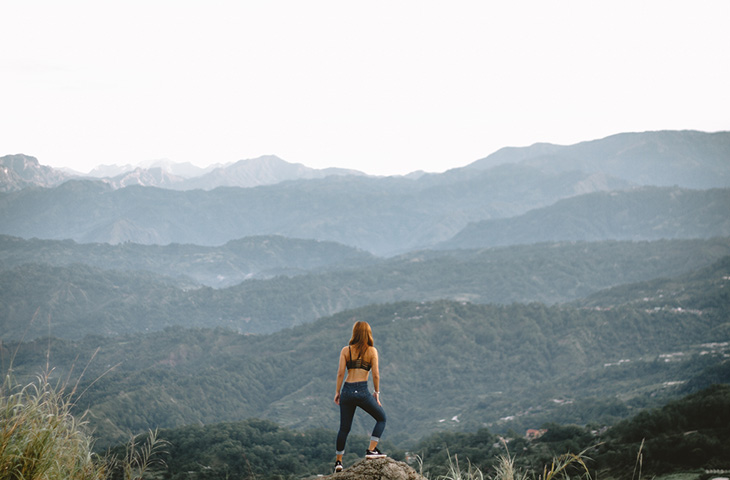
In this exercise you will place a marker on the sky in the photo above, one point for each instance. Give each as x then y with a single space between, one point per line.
384 87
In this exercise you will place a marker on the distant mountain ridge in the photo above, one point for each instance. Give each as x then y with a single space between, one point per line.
384 216
266 170
646 213
690 159
184 170
22 171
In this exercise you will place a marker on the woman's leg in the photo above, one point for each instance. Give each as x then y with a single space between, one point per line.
370 405
347 412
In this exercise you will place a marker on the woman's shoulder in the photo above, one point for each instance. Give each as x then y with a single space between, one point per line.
370 352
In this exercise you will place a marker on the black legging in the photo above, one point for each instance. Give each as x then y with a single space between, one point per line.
353 395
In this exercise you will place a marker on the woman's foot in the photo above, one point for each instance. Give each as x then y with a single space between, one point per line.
374 453
338 466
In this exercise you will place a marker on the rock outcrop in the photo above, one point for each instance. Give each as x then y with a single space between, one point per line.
377 469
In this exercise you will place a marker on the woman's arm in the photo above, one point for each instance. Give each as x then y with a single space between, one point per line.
375 368
340 375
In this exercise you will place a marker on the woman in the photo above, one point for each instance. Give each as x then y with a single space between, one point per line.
359 357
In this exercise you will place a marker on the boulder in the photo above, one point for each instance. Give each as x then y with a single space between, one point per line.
377 469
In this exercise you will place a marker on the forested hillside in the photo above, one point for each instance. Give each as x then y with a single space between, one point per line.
685 435
266 450
226 265
445 366
78 300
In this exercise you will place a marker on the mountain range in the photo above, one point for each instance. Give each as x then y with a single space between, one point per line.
689 159
21 171
391 215
665 158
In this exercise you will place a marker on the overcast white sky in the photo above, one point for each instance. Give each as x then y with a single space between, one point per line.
385 87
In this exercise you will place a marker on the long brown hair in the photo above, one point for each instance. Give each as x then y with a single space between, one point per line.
362 337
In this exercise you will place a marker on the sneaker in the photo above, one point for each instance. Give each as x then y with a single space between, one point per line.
338 466
374 453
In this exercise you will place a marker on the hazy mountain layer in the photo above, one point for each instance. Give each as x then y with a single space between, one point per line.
266 170
378 215
685 158
385 216
79 300
229 264
646 213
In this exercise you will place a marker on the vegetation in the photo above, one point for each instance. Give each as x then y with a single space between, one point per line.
40 438
690 433
261 449
687 434
253 449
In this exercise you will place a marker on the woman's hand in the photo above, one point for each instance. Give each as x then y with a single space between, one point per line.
337 398
377 398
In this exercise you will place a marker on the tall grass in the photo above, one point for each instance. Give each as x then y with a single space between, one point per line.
40 438
505 468
455 472
565 466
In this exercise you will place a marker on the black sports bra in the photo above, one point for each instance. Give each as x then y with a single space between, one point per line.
357 363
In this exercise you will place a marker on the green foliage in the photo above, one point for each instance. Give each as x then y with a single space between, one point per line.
248 449
693 432
481 449
686 434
